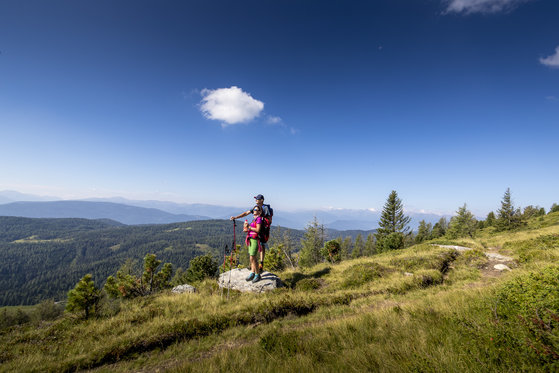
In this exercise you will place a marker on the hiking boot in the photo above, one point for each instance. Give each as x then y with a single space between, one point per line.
250 277
256 278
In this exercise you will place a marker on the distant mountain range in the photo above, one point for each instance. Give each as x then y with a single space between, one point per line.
161 212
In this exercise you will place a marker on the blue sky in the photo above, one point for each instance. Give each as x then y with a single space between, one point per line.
311 103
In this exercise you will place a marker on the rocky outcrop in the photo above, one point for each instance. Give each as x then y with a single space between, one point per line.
184 289
236 280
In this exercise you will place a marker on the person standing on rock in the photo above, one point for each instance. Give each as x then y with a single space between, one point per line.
267 214
253 242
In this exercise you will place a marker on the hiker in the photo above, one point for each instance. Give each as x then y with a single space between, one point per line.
267 214
253 242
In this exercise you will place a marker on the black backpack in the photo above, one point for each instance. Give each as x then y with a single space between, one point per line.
267 213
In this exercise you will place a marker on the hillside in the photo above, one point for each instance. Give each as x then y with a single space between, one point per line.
426 308
44 258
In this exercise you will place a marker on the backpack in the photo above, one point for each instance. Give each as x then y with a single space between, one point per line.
267 213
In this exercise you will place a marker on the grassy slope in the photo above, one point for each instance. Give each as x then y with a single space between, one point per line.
364 314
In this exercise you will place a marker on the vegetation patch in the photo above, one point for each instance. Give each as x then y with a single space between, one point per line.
473 258
359 274
308 284
542 248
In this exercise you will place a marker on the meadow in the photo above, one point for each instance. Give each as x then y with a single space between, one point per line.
421 309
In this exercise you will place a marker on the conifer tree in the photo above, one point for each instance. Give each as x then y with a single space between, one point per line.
439 229
346 248
423 231
311 243
553 208
393 224
84 296
508 216
358 247
463 224
490 220
370 247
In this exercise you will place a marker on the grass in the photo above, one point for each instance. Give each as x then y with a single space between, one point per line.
425 308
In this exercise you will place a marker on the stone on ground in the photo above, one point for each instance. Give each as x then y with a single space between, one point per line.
236 280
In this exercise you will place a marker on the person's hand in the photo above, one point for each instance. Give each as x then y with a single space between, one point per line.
232 218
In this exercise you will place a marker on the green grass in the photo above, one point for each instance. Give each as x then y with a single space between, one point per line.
422 309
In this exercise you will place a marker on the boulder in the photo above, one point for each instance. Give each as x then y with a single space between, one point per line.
236 280
184 289
501 267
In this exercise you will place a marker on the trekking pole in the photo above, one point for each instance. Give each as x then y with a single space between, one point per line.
233 247
224 265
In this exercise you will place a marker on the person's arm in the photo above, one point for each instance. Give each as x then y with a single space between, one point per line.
241 216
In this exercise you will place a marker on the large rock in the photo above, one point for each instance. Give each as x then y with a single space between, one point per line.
184 289
236 280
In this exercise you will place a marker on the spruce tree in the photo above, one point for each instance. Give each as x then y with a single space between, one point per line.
358 247
311 243
346 248
423 231
393 224
464 224
508 217
439 229
490 220
370 247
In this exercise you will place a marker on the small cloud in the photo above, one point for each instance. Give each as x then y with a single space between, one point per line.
273 120
552 98
482 6
230 105
551 61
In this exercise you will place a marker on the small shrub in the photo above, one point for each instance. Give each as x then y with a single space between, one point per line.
474 258
538 249
534 291
48 310
359 274
307 284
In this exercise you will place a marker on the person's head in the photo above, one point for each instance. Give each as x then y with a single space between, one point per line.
257 210
259 199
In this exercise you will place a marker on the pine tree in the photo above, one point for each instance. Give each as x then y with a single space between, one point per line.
346 247
490 220
331 251
370 246
393 224
423 231
464 224
84 297
311 244
439 229
508 217
358 247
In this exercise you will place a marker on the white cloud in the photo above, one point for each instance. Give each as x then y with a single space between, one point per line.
230 105
482 6
273 120
551 61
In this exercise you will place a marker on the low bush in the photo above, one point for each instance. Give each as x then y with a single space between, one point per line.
307 284
359 274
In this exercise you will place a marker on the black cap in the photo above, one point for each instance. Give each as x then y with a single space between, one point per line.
260 196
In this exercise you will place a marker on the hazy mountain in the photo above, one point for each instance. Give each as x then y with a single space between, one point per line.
340 219
7 196
125 214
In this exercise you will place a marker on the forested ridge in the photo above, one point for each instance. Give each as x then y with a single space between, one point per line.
44 258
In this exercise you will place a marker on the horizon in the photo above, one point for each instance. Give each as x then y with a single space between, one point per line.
124 200
447 102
